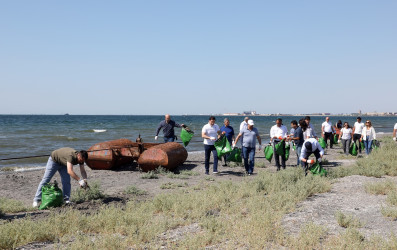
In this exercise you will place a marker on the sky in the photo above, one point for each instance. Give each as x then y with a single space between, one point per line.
197 57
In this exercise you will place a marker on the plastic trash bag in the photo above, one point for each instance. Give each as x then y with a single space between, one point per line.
235 155
222 146
322 142
317 169
336 139
186 136
51 196
287 148
353 149
268 152
280 147
375 144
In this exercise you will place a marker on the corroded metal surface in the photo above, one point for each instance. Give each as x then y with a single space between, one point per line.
168 155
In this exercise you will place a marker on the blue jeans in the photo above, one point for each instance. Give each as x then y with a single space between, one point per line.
50 170
298 154
249 159
169 139
368 146
208 149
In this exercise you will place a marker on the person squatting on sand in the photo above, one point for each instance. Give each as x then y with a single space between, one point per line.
249 136
210 133
346 134
62 160
311 146
357 130
168 129
277 133
328 132
229 133
367 136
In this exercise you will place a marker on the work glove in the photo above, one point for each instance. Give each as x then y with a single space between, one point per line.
394 138
233 144
338 141
310 161
280 138
212 138
83 183
260 147
156 137
319 159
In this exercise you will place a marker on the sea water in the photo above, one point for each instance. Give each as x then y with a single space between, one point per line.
31 135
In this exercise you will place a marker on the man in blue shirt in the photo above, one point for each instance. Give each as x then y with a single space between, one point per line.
229 133
168 129
249 135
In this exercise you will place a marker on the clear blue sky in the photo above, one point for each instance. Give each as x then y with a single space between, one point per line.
197 57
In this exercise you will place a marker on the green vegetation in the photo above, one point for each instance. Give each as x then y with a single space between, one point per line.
380 188
184 174
8 169
260 164
150 175
93 193
209 178
134 191
347 221
235 164
170 185
12 206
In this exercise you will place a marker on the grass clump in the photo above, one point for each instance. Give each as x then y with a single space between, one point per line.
81 195
183 174
390 212
134 191
347 221
8 169
150 175
260 164
235 164
209 178
380 188
170 185
12 206
310 237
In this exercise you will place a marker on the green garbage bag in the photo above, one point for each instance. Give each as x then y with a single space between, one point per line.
51 196
222 146
287 148
335 139
317 169
353 149
322 142
235 155
280 147
186 136
362 145
375 144
268 152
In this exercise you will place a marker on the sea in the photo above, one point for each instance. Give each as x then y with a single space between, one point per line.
38 135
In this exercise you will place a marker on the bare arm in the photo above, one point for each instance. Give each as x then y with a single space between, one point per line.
259 139
238 137
394 132
71 172
83 172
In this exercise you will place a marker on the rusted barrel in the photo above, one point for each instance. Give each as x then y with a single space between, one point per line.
168 155
112 154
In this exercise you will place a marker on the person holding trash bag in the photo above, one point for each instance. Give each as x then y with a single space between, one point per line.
357 130
210 133
249 136
298 137
328 132
311 146
368 135
62 161
168 129
278 134
346 134
229 133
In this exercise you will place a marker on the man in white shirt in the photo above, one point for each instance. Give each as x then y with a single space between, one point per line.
394 132
310 127
243 126
328 131
277 133
311 146
357 130
210 133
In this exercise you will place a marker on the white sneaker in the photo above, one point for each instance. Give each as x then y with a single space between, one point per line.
35 204
215 172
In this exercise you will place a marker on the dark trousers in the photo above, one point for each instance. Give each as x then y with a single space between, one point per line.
356 139
316 153
169 139
277 156
329 136
208 149
249 159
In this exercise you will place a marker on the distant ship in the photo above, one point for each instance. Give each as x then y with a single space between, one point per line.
67 114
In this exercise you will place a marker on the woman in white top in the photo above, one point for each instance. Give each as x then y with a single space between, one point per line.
346 134
368 135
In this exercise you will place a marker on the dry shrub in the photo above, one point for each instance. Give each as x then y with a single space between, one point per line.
93 193
347 221
380 188
12 206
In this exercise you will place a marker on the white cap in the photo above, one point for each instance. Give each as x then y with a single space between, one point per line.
250 122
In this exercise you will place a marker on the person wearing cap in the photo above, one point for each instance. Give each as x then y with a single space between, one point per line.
62 161
210 133
311 146
168 129
277 133
328 132
357 131
249 136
